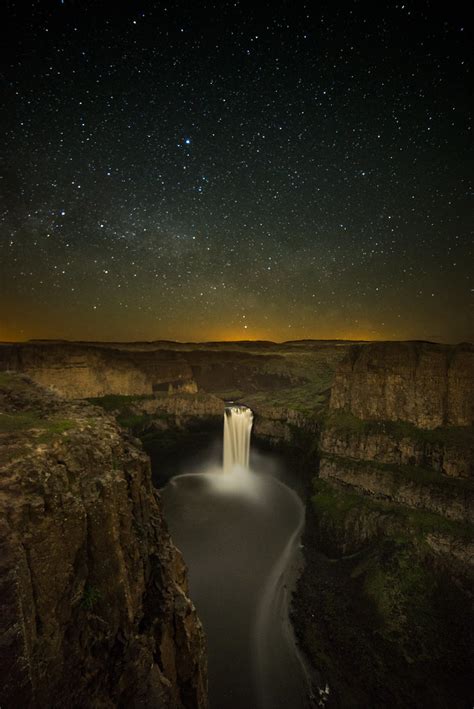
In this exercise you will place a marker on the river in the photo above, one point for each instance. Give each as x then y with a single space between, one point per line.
239 533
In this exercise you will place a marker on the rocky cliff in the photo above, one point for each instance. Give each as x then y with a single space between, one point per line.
291 375
277 425
95 609
426 384
400 426
449 451
78 370
389 575
384 605
181 406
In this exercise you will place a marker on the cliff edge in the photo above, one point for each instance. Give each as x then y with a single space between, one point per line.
388 581
95 609
424 383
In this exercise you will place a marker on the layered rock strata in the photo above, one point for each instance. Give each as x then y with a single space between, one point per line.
389 575
426 384
79 371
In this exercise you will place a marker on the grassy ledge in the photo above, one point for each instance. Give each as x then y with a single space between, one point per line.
335 504
344 421
27 421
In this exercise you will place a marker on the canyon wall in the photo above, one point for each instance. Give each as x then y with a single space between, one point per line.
276 425
426 384
84 370
181 406
79 370
95 608
389 575
400 426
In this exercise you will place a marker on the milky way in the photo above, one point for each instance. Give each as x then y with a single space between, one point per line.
200 171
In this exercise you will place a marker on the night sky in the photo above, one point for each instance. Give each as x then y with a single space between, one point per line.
200 171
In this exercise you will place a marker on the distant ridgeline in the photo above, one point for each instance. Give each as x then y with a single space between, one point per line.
427 384
82 370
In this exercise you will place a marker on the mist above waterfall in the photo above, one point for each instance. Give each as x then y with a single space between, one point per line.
234 476
239 529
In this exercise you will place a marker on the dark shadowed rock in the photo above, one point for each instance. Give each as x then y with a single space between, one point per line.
94 599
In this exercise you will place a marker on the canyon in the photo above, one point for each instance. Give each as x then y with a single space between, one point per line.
379 442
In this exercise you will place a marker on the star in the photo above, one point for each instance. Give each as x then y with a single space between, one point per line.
273 158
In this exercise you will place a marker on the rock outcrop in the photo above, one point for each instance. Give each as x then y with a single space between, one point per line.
427 384
94 604
277 425
181 406
452 499
449 451
86 370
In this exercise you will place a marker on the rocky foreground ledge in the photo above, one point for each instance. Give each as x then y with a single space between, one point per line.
94 605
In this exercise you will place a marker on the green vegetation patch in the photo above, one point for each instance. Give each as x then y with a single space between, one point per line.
412 601
28 420
397 474
5 378
19 422
335 504
117 402
14 381
388 613
345 421
121 406
55 427
308 400
134 421
90 597
303 376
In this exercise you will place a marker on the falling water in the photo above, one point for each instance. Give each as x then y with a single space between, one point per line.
240 535
237 428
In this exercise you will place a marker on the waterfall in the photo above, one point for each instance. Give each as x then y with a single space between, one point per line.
237 428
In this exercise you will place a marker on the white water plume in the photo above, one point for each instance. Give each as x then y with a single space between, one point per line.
237 429
239 530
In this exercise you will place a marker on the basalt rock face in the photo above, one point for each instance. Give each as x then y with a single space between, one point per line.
454 500
426 384
237 370
389 574
181 406
277 425
85 370
95 610
385 444
400 426
384 603
79 370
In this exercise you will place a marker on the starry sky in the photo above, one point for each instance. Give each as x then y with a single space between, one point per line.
201 171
